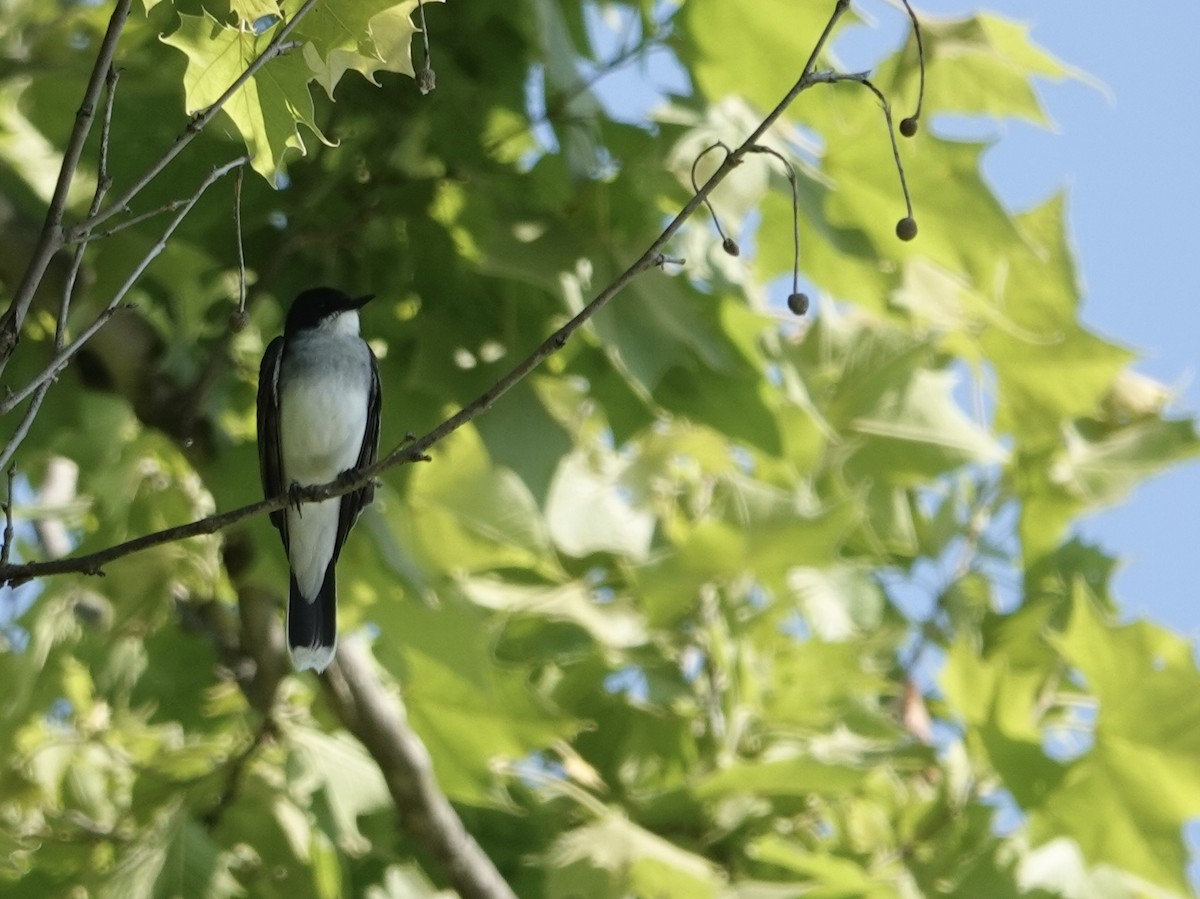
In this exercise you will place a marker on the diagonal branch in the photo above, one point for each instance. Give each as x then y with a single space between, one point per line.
414 450
365 708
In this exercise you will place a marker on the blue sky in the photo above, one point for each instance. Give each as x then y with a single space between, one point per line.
1129 159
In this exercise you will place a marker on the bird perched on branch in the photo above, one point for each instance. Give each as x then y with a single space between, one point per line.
318 417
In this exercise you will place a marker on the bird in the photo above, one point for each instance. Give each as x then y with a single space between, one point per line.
318 417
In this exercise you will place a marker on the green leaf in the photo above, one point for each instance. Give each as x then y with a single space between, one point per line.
742 50
977 65
587 511
350 779
614 857
366 36
267 108
611 624
998 696
474 515
1097 467
1127 799
798 776
823 876
175 857
469 711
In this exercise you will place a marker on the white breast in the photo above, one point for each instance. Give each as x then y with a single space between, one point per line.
323 419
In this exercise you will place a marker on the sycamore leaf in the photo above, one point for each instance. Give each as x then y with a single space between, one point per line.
614 857
267 108
353 785
997 695
468 710
978 65
366 36
588 511
798 776
1127 799
1095 470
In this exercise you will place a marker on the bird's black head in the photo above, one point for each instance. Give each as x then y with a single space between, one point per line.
318 304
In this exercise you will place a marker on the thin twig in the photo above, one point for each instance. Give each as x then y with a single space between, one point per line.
410 451
103 183
916 116
7 539
790 171
64 356
887 115
24 425
728 243
376 718
241 250
169 206
50 240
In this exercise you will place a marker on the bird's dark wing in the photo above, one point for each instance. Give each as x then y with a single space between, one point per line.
354 502
270 462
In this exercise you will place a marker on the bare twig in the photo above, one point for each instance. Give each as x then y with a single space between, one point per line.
241 250
728 243
7 538
86 236
24 425
61 358
376 718
410 451
51 238
887 115
103 183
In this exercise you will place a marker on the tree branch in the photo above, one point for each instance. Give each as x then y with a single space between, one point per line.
51 238
103 183
63 356
363 705
414 450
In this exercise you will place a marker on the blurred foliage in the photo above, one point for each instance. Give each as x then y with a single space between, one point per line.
718 602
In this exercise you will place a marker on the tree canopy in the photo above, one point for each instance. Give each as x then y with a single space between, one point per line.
716 601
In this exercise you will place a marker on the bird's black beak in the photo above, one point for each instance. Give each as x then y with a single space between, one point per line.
359 302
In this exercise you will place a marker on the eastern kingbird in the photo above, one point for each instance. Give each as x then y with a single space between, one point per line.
318 416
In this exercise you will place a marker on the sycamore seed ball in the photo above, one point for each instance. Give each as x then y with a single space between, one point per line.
908 126
798 303
906 228
238 320
729 245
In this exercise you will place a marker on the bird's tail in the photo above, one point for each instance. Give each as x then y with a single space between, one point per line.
312 624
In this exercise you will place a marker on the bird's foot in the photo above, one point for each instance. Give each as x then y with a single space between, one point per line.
294 499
